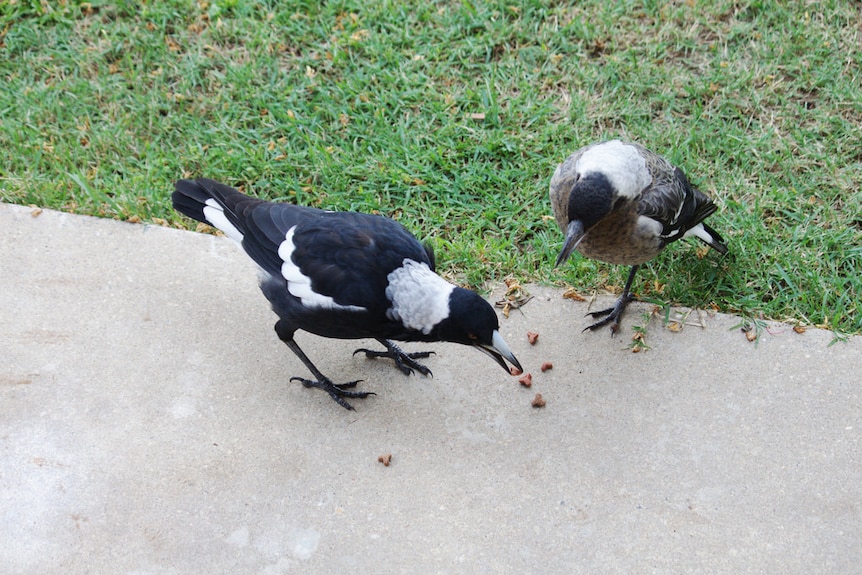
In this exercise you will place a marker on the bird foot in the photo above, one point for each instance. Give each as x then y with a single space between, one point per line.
337 391
406 362
613 315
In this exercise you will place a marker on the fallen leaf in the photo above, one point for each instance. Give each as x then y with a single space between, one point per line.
573 295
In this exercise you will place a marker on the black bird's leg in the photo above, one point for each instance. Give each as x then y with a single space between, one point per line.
406 362
337 391
615 313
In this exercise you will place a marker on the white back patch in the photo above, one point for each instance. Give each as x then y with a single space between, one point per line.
214 214
299 284
420 298
621 163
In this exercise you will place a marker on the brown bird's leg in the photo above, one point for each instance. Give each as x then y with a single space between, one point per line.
614 313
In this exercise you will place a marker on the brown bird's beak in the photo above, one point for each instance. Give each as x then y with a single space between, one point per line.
574 234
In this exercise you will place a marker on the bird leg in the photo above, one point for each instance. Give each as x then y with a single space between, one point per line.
337 391
406 362
615 313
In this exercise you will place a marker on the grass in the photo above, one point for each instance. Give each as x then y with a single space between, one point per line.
451 116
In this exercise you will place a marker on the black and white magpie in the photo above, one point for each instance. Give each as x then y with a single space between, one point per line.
346 275
621 203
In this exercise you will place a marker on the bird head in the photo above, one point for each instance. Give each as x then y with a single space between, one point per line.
590 200
472 321
593 182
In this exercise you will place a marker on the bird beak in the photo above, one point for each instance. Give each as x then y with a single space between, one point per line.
499 350
574 234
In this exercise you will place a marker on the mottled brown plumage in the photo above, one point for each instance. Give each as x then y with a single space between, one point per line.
620 203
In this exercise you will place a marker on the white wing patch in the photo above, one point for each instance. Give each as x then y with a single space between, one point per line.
214 214
621 163
299 284
420 298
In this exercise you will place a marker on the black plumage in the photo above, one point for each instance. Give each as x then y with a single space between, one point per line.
620 203
345 275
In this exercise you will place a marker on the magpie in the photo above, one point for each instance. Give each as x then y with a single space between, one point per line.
620 203
346 275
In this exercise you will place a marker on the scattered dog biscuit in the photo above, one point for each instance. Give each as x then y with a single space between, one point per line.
515 371
385 459
546 366
526 380
538 401
532 337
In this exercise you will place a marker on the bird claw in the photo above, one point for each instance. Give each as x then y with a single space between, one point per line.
613 319
600 313
337 391
613 315
406 362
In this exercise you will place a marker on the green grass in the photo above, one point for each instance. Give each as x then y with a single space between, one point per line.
451 116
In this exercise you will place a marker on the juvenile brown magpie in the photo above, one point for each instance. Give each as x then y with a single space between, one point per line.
621 203
346 275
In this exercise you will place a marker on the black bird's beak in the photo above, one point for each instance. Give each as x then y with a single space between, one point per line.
574 234
499 350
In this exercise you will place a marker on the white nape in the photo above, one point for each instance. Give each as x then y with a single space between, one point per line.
621 163
420 298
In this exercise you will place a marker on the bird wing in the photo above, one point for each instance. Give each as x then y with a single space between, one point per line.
325 257
345 256
670 199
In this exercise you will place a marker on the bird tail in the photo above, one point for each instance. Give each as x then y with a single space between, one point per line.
711 237
212 203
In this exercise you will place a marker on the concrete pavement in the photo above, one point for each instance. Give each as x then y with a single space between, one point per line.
147 425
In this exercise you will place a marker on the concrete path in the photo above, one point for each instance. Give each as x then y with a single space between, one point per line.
147 425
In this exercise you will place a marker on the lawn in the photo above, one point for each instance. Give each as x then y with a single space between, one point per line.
451 116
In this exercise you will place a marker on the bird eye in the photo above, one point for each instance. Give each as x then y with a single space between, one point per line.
472 336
